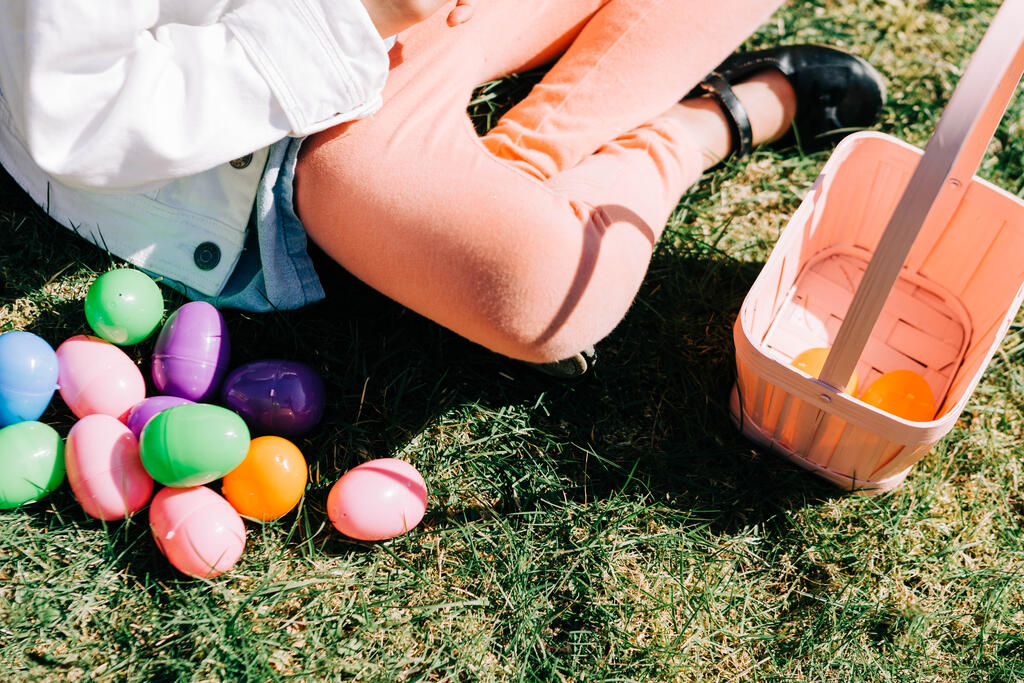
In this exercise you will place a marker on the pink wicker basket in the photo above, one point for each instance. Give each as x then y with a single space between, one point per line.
896 259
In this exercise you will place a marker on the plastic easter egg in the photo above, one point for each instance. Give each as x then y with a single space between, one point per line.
280 397
192 352
377 500
197 530
124 306
193 444
902 393
97 377
28 376
812 361
146 409
31 463
104 470
269 482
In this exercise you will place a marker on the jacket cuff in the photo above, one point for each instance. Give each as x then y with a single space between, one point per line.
323 59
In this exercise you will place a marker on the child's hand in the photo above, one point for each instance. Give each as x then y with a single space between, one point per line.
462 13
393 16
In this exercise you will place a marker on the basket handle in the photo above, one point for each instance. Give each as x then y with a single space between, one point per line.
950 161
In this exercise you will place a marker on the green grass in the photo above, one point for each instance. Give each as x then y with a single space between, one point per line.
616 528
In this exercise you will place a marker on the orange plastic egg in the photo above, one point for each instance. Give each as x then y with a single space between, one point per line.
812 361
269 482
902 393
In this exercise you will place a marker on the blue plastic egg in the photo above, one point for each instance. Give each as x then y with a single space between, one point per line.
28 376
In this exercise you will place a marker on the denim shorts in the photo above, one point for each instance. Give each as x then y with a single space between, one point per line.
274 271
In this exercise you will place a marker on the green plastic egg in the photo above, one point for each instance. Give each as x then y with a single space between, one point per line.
31 462
124 306
193 444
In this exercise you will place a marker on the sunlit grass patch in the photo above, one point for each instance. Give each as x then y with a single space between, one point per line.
614 528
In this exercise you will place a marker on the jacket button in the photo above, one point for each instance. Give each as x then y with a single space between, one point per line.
241 162
206 256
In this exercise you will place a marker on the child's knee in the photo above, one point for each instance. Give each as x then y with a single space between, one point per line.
533 330
546 308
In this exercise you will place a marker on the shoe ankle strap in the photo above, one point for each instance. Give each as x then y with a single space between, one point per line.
735 113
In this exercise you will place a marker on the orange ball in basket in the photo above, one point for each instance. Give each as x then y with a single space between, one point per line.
812 360
902 393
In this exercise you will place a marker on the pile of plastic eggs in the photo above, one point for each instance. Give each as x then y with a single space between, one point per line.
124 443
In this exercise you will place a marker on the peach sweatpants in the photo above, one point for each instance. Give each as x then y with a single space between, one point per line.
534 239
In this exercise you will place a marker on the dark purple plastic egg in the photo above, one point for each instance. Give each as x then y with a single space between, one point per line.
280 397
192 352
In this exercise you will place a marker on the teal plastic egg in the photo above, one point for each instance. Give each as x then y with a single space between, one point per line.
124 306
193 444
31 463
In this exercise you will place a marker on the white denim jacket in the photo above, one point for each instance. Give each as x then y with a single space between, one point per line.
142 125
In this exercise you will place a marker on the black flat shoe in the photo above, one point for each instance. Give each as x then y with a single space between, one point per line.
836 93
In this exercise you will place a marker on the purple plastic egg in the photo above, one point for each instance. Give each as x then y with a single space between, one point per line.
192 352
280 397
146 409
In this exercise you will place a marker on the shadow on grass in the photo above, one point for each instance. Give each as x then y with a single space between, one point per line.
651 420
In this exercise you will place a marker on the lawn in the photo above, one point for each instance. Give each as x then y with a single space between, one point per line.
609 529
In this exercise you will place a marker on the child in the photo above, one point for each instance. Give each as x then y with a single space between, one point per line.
531 241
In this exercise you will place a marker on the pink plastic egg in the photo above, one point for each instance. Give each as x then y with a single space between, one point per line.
104 469
97 377
197 530
377 500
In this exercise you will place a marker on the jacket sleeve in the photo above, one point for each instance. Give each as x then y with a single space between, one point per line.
116 96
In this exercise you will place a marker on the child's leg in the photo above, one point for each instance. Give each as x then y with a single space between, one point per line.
534 240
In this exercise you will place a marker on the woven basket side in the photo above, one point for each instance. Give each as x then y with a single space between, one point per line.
977 256
857 192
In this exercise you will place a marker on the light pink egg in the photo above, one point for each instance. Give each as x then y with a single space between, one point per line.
377 500
97 377
197 530
104 469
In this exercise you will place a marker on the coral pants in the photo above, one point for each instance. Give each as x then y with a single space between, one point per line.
532 240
